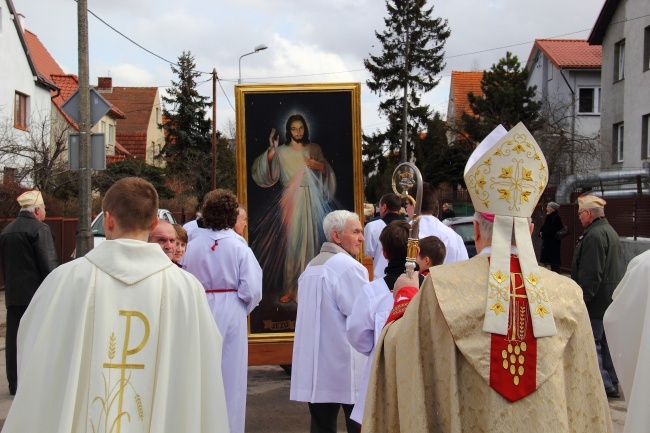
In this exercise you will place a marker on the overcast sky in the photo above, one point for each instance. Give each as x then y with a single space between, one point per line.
309 41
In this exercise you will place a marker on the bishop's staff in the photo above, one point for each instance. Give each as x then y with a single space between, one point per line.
405 176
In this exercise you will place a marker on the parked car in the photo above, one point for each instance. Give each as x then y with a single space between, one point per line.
465 228
97 227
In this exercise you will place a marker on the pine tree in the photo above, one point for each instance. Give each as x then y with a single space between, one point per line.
506 100
438 161
188 142
411 58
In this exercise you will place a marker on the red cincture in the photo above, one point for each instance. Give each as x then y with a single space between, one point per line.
215 245
513 357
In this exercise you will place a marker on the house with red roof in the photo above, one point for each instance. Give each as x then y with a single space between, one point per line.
462 83
567 74
66 85
138 132
24 91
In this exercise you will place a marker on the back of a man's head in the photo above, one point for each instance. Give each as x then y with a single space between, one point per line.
392 201
430 204
394 239
133 202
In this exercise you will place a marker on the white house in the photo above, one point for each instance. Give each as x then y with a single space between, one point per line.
623 31
567 75
24 92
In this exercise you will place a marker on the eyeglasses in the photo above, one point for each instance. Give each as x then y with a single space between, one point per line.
581 212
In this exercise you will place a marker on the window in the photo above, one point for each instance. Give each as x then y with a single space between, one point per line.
618 142
645 137
103 127
111 134
619 61
20 110
646 49
588 100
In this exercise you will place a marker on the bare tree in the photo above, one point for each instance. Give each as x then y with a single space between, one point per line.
35 154
566 148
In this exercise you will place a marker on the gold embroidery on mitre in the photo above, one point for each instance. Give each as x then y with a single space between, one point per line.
504 194
481 182
486 203
506 172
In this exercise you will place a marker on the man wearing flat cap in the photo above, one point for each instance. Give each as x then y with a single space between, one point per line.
598 266
493 343
27 256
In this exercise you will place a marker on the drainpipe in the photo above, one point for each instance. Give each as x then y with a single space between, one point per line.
601 180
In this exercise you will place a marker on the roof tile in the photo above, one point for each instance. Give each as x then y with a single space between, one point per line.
571 53
462 83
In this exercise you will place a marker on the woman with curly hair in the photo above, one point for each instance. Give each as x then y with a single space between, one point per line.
232 279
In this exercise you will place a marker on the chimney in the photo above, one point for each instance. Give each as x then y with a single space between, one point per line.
105 84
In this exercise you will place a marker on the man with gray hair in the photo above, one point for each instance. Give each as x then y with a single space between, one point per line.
598 267
326 369
27 256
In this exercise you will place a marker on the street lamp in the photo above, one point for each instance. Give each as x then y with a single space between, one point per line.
257 49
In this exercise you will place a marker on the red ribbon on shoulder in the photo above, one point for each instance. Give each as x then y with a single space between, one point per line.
402 300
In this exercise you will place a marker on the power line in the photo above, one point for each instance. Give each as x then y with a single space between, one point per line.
348 71
224 94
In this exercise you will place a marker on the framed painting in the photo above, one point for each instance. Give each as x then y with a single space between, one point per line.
298 158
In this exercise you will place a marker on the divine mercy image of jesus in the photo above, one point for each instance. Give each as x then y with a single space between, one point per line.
307 195
299 158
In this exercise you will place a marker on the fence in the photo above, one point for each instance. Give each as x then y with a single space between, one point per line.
65 235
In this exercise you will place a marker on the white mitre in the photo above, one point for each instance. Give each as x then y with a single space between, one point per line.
505 176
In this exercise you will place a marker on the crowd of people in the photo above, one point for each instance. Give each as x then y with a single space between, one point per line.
146 337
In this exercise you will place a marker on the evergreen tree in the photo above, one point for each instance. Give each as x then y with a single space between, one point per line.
132 167
188 140
412 56
438 161
506 101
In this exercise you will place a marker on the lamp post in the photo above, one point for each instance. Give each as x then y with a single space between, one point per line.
257 49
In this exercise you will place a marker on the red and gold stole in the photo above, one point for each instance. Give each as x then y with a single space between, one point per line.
513 357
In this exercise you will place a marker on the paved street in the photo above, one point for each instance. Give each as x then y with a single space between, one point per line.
268 408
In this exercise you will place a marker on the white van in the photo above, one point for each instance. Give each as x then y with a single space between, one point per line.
97 228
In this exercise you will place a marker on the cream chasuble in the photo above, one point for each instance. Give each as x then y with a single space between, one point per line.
120 340
431 371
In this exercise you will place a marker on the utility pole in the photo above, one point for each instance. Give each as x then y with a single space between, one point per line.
84 236
214 128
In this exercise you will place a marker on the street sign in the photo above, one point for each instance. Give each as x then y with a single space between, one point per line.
98 106
97 152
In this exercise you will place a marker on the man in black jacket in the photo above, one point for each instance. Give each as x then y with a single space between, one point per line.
598 266
27 256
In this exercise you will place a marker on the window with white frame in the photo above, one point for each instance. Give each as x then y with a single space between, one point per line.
645 136
103 127
21 110
588 100
618 142
619 61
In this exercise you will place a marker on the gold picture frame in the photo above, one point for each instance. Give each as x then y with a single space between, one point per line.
331 115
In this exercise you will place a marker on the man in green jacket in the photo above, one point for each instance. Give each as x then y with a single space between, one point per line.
598 266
